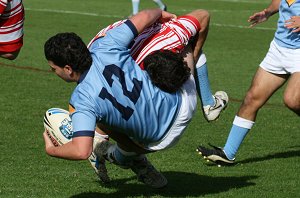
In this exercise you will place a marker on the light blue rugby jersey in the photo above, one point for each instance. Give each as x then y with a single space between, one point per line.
284 37
116 92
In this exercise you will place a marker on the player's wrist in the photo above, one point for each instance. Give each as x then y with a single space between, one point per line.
267 12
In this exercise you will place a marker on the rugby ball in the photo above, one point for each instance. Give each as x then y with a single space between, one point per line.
58 125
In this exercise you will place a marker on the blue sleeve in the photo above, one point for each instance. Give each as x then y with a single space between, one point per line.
83 133
83 123
120 36
132 27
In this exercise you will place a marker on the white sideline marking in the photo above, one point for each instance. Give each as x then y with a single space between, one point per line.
242 27
74 12
121 17
240 1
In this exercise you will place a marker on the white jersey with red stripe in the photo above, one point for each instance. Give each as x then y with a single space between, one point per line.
11 20
173 35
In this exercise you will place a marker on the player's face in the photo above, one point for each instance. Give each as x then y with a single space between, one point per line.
63 73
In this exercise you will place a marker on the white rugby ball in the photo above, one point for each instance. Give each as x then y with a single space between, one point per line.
58 125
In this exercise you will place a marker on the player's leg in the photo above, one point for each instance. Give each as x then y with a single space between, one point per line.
212 104
127 154
280 62
203 18
292 93
264 84
161 5
135 6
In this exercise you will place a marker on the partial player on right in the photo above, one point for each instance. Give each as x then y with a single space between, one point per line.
281 64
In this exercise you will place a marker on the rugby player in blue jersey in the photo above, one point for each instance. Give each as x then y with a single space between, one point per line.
114 93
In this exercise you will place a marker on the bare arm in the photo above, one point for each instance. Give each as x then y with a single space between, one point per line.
145 18
263 16
79 148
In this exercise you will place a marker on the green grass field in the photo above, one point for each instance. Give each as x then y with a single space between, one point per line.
268 161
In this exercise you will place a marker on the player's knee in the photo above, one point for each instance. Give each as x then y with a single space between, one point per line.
202 16
251 100
292 102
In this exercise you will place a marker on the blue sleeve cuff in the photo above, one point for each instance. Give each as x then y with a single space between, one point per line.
83 133
132 27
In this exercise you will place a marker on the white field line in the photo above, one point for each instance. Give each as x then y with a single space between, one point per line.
73 12
240 1
121 17
242 27
221 11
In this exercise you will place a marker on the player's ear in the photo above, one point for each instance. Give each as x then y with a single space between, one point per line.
68 69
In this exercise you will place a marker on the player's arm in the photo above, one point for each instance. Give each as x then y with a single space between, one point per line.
79 148
145 18
262 16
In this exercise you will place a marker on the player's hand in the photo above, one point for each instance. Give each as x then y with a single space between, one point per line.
293 23
48 143
258 17
167 16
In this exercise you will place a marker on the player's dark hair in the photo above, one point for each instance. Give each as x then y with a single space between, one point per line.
167 70
68 49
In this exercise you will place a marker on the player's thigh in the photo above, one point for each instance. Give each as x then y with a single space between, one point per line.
201 15
292 91
123 141
264 84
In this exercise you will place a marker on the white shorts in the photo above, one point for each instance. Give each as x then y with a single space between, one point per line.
185 114
280 60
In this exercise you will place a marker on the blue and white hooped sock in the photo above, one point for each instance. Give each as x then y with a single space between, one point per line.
238 132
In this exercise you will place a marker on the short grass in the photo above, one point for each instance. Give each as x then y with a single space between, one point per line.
268 161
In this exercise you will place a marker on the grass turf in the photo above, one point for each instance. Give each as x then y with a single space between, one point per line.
268 160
